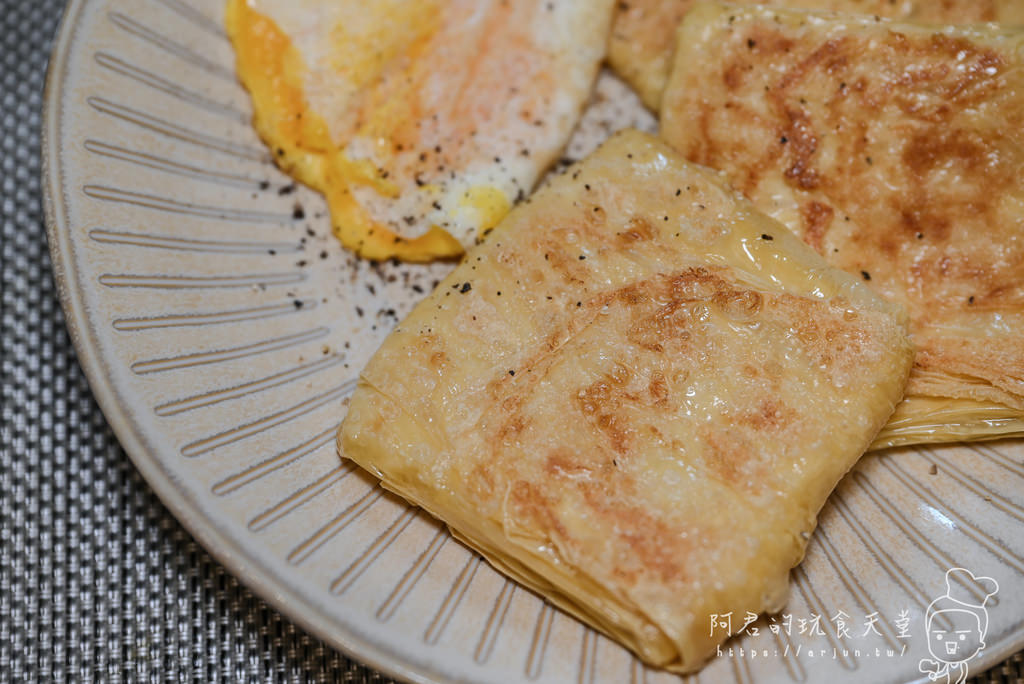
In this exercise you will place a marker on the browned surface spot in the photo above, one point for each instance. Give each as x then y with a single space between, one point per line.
658 389
667 324
567 266
638 229
817 217
601 404
771 414
529 501
657 547
740 305
728 456
512 427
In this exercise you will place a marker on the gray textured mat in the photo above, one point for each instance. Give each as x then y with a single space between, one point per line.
97 580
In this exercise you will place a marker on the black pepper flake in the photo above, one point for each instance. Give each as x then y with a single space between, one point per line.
359 311
286 189
310 232
271 252
766 236
970 300
679 191
512 373
586 186
582 257
920 236
751 43
323 254
298 213
298 303
579 303
264 185
466 287
865 275
300 263
783 140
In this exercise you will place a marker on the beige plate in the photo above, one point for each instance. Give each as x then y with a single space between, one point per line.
221 347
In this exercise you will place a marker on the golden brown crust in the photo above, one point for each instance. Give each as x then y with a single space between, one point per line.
649 390
643 38
895 150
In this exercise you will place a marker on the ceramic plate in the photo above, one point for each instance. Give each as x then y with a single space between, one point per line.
222 329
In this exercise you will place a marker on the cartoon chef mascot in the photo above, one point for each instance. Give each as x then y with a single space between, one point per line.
956 623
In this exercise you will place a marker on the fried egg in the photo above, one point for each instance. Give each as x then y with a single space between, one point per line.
421 121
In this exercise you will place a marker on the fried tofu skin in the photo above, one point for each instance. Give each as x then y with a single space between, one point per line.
634 397
643 39
895 150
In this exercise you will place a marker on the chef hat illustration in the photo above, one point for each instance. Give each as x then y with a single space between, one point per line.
957 597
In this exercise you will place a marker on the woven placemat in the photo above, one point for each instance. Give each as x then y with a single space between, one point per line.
97 580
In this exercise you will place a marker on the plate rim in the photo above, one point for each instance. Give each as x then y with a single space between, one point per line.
218 542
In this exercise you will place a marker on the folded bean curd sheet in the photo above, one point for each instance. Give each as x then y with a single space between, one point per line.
643 38
634 397
896 150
